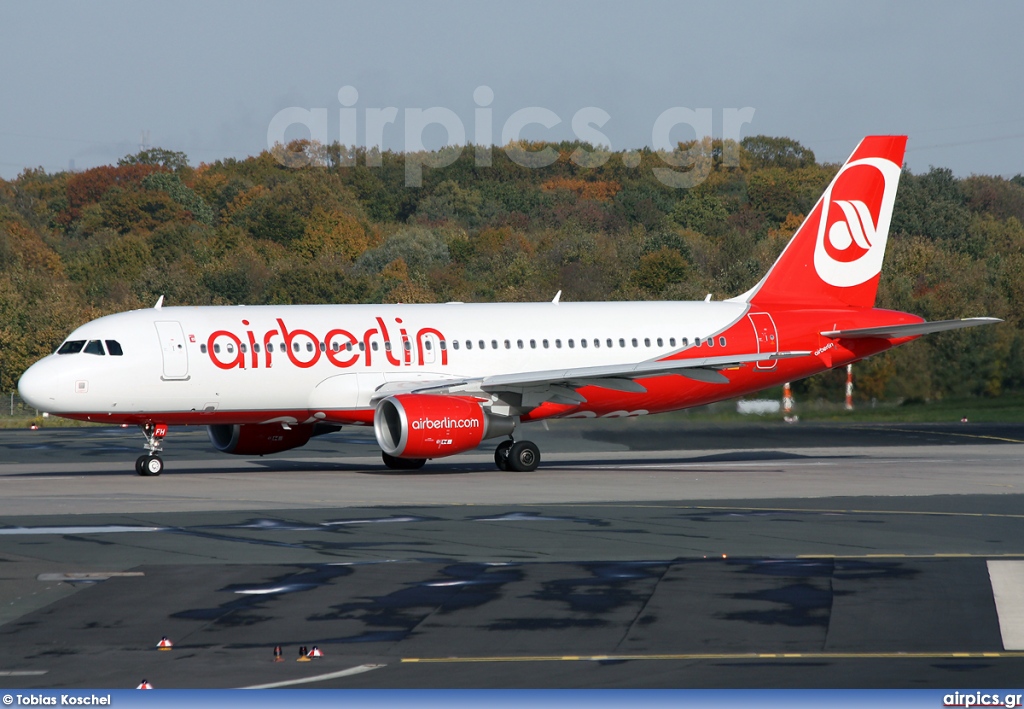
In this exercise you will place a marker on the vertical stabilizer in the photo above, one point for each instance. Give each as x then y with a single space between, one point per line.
835 257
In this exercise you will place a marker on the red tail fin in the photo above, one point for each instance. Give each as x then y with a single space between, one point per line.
835 257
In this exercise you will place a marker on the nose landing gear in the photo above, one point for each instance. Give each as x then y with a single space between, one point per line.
151 463
519 456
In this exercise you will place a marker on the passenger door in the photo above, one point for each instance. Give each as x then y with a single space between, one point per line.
172 346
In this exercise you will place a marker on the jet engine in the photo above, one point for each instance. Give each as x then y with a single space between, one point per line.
435 425
263 438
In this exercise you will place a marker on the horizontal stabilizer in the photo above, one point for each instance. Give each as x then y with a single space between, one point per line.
892 332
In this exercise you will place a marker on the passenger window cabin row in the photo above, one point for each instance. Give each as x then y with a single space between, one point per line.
571 343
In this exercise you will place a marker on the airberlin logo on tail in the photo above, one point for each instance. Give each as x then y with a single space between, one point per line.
854 221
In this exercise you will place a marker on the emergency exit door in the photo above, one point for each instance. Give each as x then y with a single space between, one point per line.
767 337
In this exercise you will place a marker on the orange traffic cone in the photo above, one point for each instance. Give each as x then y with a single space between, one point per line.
277 654
145 685
315 652
164 644
303 655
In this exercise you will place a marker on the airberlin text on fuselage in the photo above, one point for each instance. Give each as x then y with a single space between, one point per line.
255 351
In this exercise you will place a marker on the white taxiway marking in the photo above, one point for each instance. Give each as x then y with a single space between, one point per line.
22 673
317 678
110 529
1007 578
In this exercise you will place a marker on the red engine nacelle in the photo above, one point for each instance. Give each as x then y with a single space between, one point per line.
434 425
258 439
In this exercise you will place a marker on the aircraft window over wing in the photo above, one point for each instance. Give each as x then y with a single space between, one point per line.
71 347
95 347
114 348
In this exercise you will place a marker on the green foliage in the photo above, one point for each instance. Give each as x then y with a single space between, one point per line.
172 185
766 151
77 245
167 159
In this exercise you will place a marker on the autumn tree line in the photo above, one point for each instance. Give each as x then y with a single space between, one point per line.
308 223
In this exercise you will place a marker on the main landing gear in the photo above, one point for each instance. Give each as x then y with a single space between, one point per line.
151 463
519 456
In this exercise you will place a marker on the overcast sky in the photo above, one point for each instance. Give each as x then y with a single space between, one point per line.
84 82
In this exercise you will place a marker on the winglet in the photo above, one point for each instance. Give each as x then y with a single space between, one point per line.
159 303
557 296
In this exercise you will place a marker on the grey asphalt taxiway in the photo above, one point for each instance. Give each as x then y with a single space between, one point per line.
643 553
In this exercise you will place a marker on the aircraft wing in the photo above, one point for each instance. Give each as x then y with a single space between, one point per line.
559 385
896 331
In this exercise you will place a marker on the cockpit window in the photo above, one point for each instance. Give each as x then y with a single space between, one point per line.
95 347
71 347
114 348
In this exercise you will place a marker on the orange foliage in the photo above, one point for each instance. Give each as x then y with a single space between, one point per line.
33 253
787 228
334 232
88 187
596 190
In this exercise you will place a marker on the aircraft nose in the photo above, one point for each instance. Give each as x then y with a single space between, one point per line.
36 387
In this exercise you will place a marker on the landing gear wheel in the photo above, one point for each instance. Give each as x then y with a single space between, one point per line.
402 463
501 455
149 465
523 456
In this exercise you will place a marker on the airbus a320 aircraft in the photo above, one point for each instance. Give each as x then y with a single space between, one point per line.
436 380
